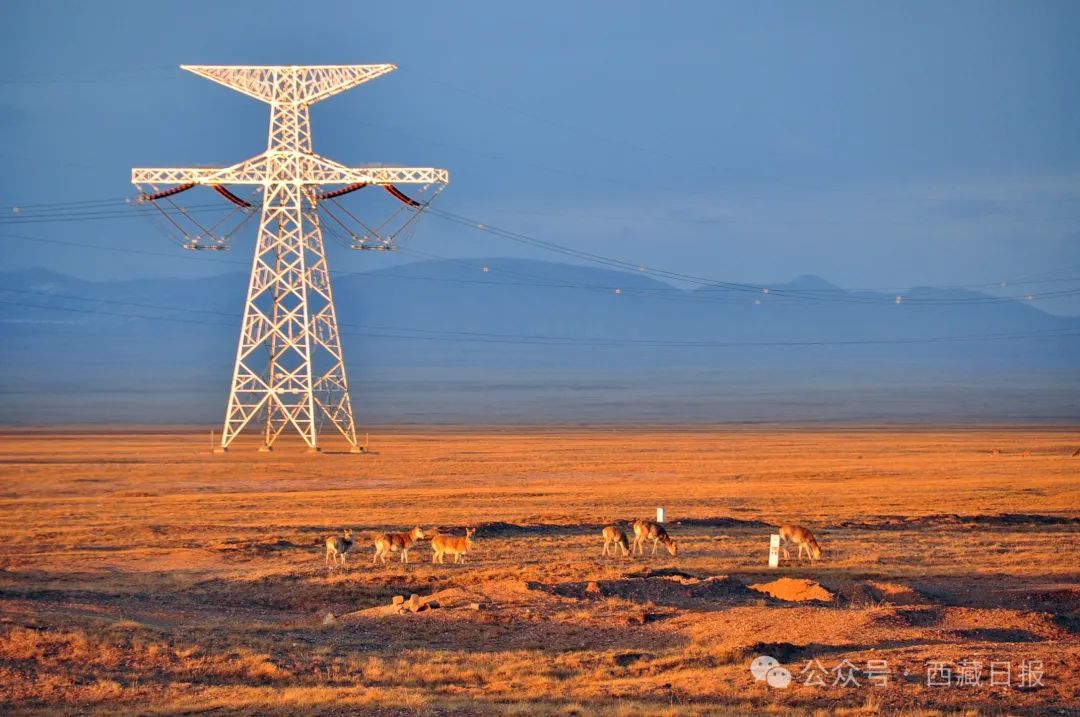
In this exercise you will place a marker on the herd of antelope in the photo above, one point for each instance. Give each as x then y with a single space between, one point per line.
338 546
615 540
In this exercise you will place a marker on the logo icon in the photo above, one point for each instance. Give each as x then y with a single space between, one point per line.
768 669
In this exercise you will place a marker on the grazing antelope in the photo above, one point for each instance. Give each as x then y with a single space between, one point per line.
651 530
614 536
801 537
337 546
387 543
456 545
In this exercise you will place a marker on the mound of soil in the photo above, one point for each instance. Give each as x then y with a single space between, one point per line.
1053 598
676 590
505 591
794 590
253 546
721 522
875 592
905 522
502 529
492 602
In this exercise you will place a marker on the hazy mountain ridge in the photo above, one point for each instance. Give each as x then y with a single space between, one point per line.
437 334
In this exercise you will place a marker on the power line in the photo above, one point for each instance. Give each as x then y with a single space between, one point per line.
666 293
201 256
808 294
405 333
79 203
80 214
125 250
111 313
707 283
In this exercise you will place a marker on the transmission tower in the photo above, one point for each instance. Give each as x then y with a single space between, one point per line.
299 380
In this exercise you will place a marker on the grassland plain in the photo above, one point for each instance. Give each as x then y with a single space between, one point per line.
139 573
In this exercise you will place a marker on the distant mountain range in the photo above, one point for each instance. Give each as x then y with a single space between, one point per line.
530 341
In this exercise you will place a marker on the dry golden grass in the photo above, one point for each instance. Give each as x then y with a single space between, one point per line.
141 574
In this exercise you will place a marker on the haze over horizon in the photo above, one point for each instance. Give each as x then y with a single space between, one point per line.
528 342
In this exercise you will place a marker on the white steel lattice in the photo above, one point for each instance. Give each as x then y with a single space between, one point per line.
289 368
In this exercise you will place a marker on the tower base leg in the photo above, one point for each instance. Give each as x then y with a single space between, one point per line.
221 449
314 449
265 449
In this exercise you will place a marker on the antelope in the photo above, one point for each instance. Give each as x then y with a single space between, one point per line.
387 543
337 546
456 545
801 537
651 530
614 536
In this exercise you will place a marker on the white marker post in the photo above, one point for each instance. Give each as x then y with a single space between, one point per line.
660 515
774 550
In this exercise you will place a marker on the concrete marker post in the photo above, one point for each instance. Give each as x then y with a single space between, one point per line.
774 550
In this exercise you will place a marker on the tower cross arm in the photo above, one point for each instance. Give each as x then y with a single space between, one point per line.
382 175
181 175
322 81
256 170
302 168
303 85
320 170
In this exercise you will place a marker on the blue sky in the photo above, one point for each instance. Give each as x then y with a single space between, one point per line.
874 144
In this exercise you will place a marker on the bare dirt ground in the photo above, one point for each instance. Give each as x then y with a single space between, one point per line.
141 574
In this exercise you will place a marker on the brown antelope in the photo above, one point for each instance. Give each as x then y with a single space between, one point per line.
801 537
337 546
614 536
456 545
651 530
387 543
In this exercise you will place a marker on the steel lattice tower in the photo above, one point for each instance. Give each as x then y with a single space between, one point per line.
299 380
